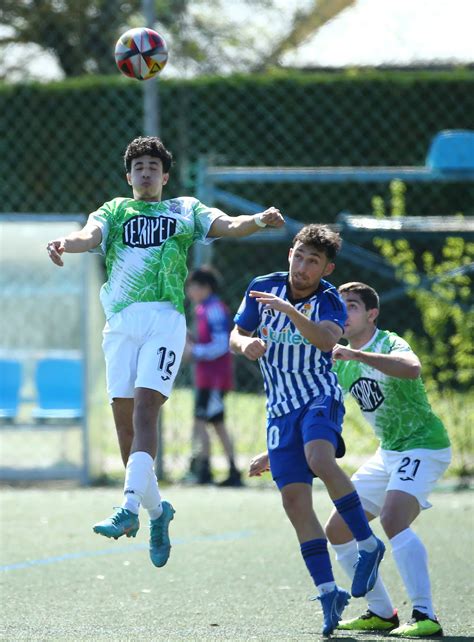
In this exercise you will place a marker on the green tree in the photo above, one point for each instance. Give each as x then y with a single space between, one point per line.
440 284
204 35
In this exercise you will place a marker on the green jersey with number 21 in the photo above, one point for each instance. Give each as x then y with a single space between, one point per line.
398 409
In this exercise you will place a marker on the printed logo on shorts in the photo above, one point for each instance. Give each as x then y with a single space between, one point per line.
148 231
367 393
319 402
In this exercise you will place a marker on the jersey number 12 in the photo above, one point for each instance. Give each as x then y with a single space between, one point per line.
166 359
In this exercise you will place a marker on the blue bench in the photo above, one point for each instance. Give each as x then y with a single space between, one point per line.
59 383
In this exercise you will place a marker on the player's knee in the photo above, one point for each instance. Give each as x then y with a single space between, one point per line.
146 409
321 467
293 504
391 523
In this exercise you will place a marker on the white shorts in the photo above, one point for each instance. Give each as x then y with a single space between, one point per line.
412 471
143 345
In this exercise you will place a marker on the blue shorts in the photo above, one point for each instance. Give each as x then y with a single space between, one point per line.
287 435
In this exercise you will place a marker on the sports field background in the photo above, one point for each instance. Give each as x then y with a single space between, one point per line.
246 421
235 571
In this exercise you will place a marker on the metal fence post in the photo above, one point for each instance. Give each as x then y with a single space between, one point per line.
151 97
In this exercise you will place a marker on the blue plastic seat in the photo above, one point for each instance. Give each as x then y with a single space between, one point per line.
452 150
10 384
59 384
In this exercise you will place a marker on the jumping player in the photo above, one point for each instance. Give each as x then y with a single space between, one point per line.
145 241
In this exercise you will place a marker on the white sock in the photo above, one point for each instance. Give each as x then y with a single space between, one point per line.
378 599
326 587
411 559
151 500
369 544
137 477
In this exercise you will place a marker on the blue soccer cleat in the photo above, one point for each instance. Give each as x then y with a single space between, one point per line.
333 604
122 522
366 570
160 545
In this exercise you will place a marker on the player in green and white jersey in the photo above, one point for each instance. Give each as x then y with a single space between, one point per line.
380 370
145 241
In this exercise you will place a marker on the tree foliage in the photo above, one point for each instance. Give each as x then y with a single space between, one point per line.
81 34
440 284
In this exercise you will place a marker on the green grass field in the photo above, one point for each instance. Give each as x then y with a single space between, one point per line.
235 571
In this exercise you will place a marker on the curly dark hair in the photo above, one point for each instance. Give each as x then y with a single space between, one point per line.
147 146
321 237
368 295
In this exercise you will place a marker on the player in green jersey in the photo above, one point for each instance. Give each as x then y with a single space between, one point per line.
382 373
145 241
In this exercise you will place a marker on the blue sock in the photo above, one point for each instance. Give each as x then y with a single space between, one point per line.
351 511
316 557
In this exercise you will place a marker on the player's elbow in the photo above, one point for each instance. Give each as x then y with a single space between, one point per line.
92 237
413 370
327 343
323 345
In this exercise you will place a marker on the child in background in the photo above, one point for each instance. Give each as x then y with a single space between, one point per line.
213 375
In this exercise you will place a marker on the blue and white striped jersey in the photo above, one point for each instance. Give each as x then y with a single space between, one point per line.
294 371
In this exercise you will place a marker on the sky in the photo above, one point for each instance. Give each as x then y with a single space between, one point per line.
392 32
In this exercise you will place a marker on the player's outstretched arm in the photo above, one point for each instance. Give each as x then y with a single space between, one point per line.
242 342
323 335
404 365
81 241
245 225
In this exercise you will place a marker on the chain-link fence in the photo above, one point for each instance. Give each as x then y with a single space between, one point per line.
62 147
434 244
73 135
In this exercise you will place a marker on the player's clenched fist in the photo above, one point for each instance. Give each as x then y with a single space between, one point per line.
254 349
272 217
341 353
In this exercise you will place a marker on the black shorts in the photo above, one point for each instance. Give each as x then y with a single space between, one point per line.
209 404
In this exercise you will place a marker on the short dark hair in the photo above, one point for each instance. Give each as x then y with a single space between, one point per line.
368 295
205 275
321 237
147 146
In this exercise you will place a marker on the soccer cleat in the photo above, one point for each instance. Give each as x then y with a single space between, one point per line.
122 522
333 604
420 626
369 621
160 544
366 570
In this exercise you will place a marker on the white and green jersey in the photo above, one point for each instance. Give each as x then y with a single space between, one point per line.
398 409
146 246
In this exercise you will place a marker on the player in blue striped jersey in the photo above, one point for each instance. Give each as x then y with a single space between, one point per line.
290 322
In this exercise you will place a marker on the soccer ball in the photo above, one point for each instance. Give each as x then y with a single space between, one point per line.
141 53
